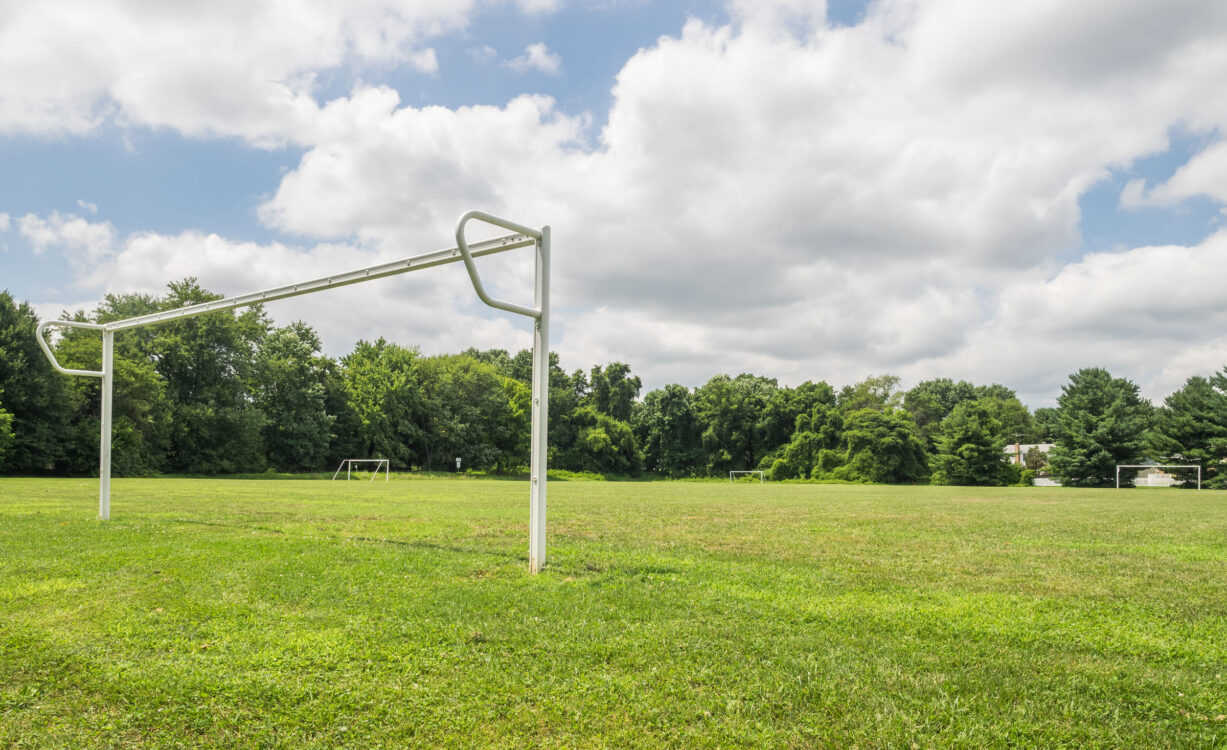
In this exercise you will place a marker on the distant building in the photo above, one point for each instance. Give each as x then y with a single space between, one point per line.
1018 451
1153 476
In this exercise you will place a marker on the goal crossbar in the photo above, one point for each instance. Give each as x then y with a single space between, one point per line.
521 236
1158 466
348 465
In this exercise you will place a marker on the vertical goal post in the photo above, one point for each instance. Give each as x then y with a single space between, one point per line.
521 236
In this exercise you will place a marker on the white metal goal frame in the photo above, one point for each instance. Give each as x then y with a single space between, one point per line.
348 465
1158 466
759 473
521 236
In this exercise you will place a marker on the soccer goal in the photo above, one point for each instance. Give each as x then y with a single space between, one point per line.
734 474
539 312
1157 466
348 465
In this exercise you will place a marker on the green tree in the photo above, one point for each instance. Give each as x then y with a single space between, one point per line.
882 446
931 401
970 448
777 422
1013 419
1035 459
667 428
498 357
877 392
6 430
385 393
35 396
614 390
1101 421
602 444
207 363
813 448
470 413
729 411
141 419
1045 424
290 378
1191 427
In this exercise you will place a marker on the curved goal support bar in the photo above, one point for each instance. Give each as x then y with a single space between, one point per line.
471 267
42 341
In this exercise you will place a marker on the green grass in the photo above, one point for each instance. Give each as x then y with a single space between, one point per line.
326 614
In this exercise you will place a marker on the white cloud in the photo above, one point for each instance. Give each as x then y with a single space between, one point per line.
828 205
83 243
777 195
1153 314
89 208
4 222
539 6
537 57
419 168
244 69
484 54
1203 175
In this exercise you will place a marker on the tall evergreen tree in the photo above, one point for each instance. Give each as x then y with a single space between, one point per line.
1044 425
1191 427
1101 422
970 447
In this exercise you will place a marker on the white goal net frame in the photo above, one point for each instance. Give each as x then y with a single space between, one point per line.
539 311
348 465
1158 466
759 473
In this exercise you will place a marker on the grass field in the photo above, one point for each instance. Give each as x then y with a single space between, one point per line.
326 614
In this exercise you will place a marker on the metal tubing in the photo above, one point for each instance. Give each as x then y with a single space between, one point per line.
541 406
471 267
104 452
42 342
416 263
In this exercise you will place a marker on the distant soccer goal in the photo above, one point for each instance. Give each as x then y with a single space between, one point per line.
348 465
733 475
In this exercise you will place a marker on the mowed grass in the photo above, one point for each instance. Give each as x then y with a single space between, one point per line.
333 614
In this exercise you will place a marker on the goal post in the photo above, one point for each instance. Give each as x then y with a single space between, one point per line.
1158 466
348 465
539 311
733 474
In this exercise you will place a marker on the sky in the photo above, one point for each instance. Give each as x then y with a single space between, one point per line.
982 190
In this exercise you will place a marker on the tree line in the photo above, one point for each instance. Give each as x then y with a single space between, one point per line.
230 392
